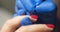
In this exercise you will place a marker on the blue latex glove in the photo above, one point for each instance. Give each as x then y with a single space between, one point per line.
26 21
46 6
23 7
46 10
19 8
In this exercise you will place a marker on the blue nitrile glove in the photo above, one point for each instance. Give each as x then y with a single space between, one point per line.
47 12
46 6
19 8
25 7
27 21
30 4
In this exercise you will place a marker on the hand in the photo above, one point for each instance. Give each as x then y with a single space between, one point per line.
12 24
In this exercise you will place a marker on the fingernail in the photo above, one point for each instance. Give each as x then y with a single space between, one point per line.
50 25
34 16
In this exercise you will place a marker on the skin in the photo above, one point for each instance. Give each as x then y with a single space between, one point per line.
11 25
34 28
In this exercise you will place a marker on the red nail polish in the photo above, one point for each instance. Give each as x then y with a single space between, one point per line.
50 25
34 16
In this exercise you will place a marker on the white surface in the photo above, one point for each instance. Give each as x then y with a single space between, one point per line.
4 15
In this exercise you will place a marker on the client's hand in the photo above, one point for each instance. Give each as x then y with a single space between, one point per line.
12 24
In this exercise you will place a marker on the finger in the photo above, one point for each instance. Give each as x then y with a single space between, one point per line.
12 24
34 28
33 18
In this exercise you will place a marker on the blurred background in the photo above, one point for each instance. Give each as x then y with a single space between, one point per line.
7 11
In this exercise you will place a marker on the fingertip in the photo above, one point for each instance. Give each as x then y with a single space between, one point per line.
34 16
50 25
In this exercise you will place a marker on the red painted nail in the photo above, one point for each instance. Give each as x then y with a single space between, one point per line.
50 25
34 16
